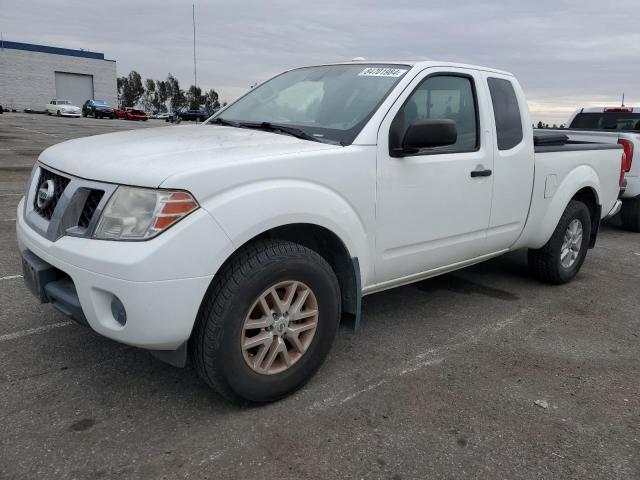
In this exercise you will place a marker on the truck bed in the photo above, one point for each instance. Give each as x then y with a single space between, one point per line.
558 141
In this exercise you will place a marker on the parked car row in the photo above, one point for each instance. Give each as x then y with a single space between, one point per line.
93 108
101 109
240 245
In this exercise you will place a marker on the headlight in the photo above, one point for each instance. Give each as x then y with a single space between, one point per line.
142 213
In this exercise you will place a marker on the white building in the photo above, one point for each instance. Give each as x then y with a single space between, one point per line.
32 75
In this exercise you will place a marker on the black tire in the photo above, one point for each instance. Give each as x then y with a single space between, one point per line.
545 263
630 214
95 115
58 113
215 341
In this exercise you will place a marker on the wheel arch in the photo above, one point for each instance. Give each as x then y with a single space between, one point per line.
329 246
582 184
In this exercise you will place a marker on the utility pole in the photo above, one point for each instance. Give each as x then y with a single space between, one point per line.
623 99
193 15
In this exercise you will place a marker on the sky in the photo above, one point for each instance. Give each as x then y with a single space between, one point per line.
566 53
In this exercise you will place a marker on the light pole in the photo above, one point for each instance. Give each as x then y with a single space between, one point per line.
193 16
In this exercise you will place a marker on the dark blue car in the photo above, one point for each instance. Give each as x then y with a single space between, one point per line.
97 109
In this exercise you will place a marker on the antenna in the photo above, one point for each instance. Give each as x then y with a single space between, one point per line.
193 16
623 99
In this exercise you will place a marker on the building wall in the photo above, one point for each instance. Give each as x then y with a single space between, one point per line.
27 79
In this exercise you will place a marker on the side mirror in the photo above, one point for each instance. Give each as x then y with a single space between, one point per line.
429 133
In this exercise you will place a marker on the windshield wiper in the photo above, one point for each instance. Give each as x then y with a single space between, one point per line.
222 121
293 131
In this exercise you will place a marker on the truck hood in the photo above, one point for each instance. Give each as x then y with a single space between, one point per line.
147 157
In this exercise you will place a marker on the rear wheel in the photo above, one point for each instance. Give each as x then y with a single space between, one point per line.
630 214
267 322
560 260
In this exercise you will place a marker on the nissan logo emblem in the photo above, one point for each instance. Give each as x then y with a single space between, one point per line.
45 194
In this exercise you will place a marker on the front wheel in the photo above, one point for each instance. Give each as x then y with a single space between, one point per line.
267 322
560 260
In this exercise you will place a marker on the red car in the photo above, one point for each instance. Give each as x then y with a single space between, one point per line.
130 114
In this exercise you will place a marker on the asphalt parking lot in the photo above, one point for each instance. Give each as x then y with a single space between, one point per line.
440 383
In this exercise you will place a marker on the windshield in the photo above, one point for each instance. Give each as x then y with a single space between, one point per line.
63 102
620 121
329 103
102 103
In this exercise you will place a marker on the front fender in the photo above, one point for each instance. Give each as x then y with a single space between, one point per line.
546 212
249 210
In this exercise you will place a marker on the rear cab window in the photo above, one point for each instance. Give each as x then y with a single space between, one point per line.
620 121
506 112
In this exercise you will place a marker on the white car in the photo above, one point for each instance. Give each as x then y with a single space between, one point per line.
613 125
240 243
63 108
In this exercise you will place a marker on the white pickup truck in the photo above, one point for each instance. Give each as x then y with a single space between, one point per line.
241 242
614 125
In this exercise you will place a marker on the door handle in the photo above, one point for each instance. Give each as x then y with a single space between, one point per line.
481 173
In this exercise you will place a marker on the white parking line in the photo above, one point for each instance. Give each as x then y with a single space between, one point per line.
9 220
428 358
10 194
10 277
37 131
33 331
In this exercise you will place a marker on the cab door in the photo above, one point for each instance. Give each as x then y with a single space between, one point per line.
513 160
433 206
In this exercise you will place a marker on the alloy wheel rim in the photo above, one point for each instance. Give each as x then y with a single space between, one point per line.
279 327
571 244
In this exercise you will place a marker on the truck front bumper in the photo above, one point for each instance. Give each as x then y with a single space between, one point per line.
92 281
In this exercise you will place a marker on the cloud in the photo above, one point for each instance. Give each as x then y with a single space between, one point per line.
566 53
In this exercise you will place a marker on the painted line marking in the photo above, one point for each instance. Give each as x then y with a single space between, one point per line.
33 331
9 220
428 358
37 131
10 194
10 277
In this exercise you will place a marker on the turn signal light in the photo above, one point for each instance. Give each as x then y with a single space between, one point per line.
176 206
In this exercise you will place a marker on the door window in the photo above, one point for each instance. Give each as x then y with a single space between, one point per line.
506 112
441 96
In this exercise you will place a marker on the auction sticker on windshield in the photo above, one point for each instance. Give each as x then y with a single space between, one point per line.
382 72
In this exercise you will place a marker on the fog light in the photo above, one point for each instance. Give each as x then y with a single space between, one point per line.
118 311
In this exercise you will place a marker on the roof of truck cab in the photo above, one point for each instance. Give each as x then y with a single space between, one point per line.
602 109
418 64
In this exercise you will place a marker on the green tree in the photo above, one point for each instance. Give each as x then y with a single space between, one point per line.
211 99
194 97
148 100
130 89
162 89
177 98
540 125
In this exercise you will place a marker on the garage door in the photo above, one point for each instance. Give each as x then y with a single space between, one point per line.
74 87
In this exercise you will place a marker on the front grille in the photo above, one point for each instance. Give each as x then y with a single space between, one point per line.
59 184
90 206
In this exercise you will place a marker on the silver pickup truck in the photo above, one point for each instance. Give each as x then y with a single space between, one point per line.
614 125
